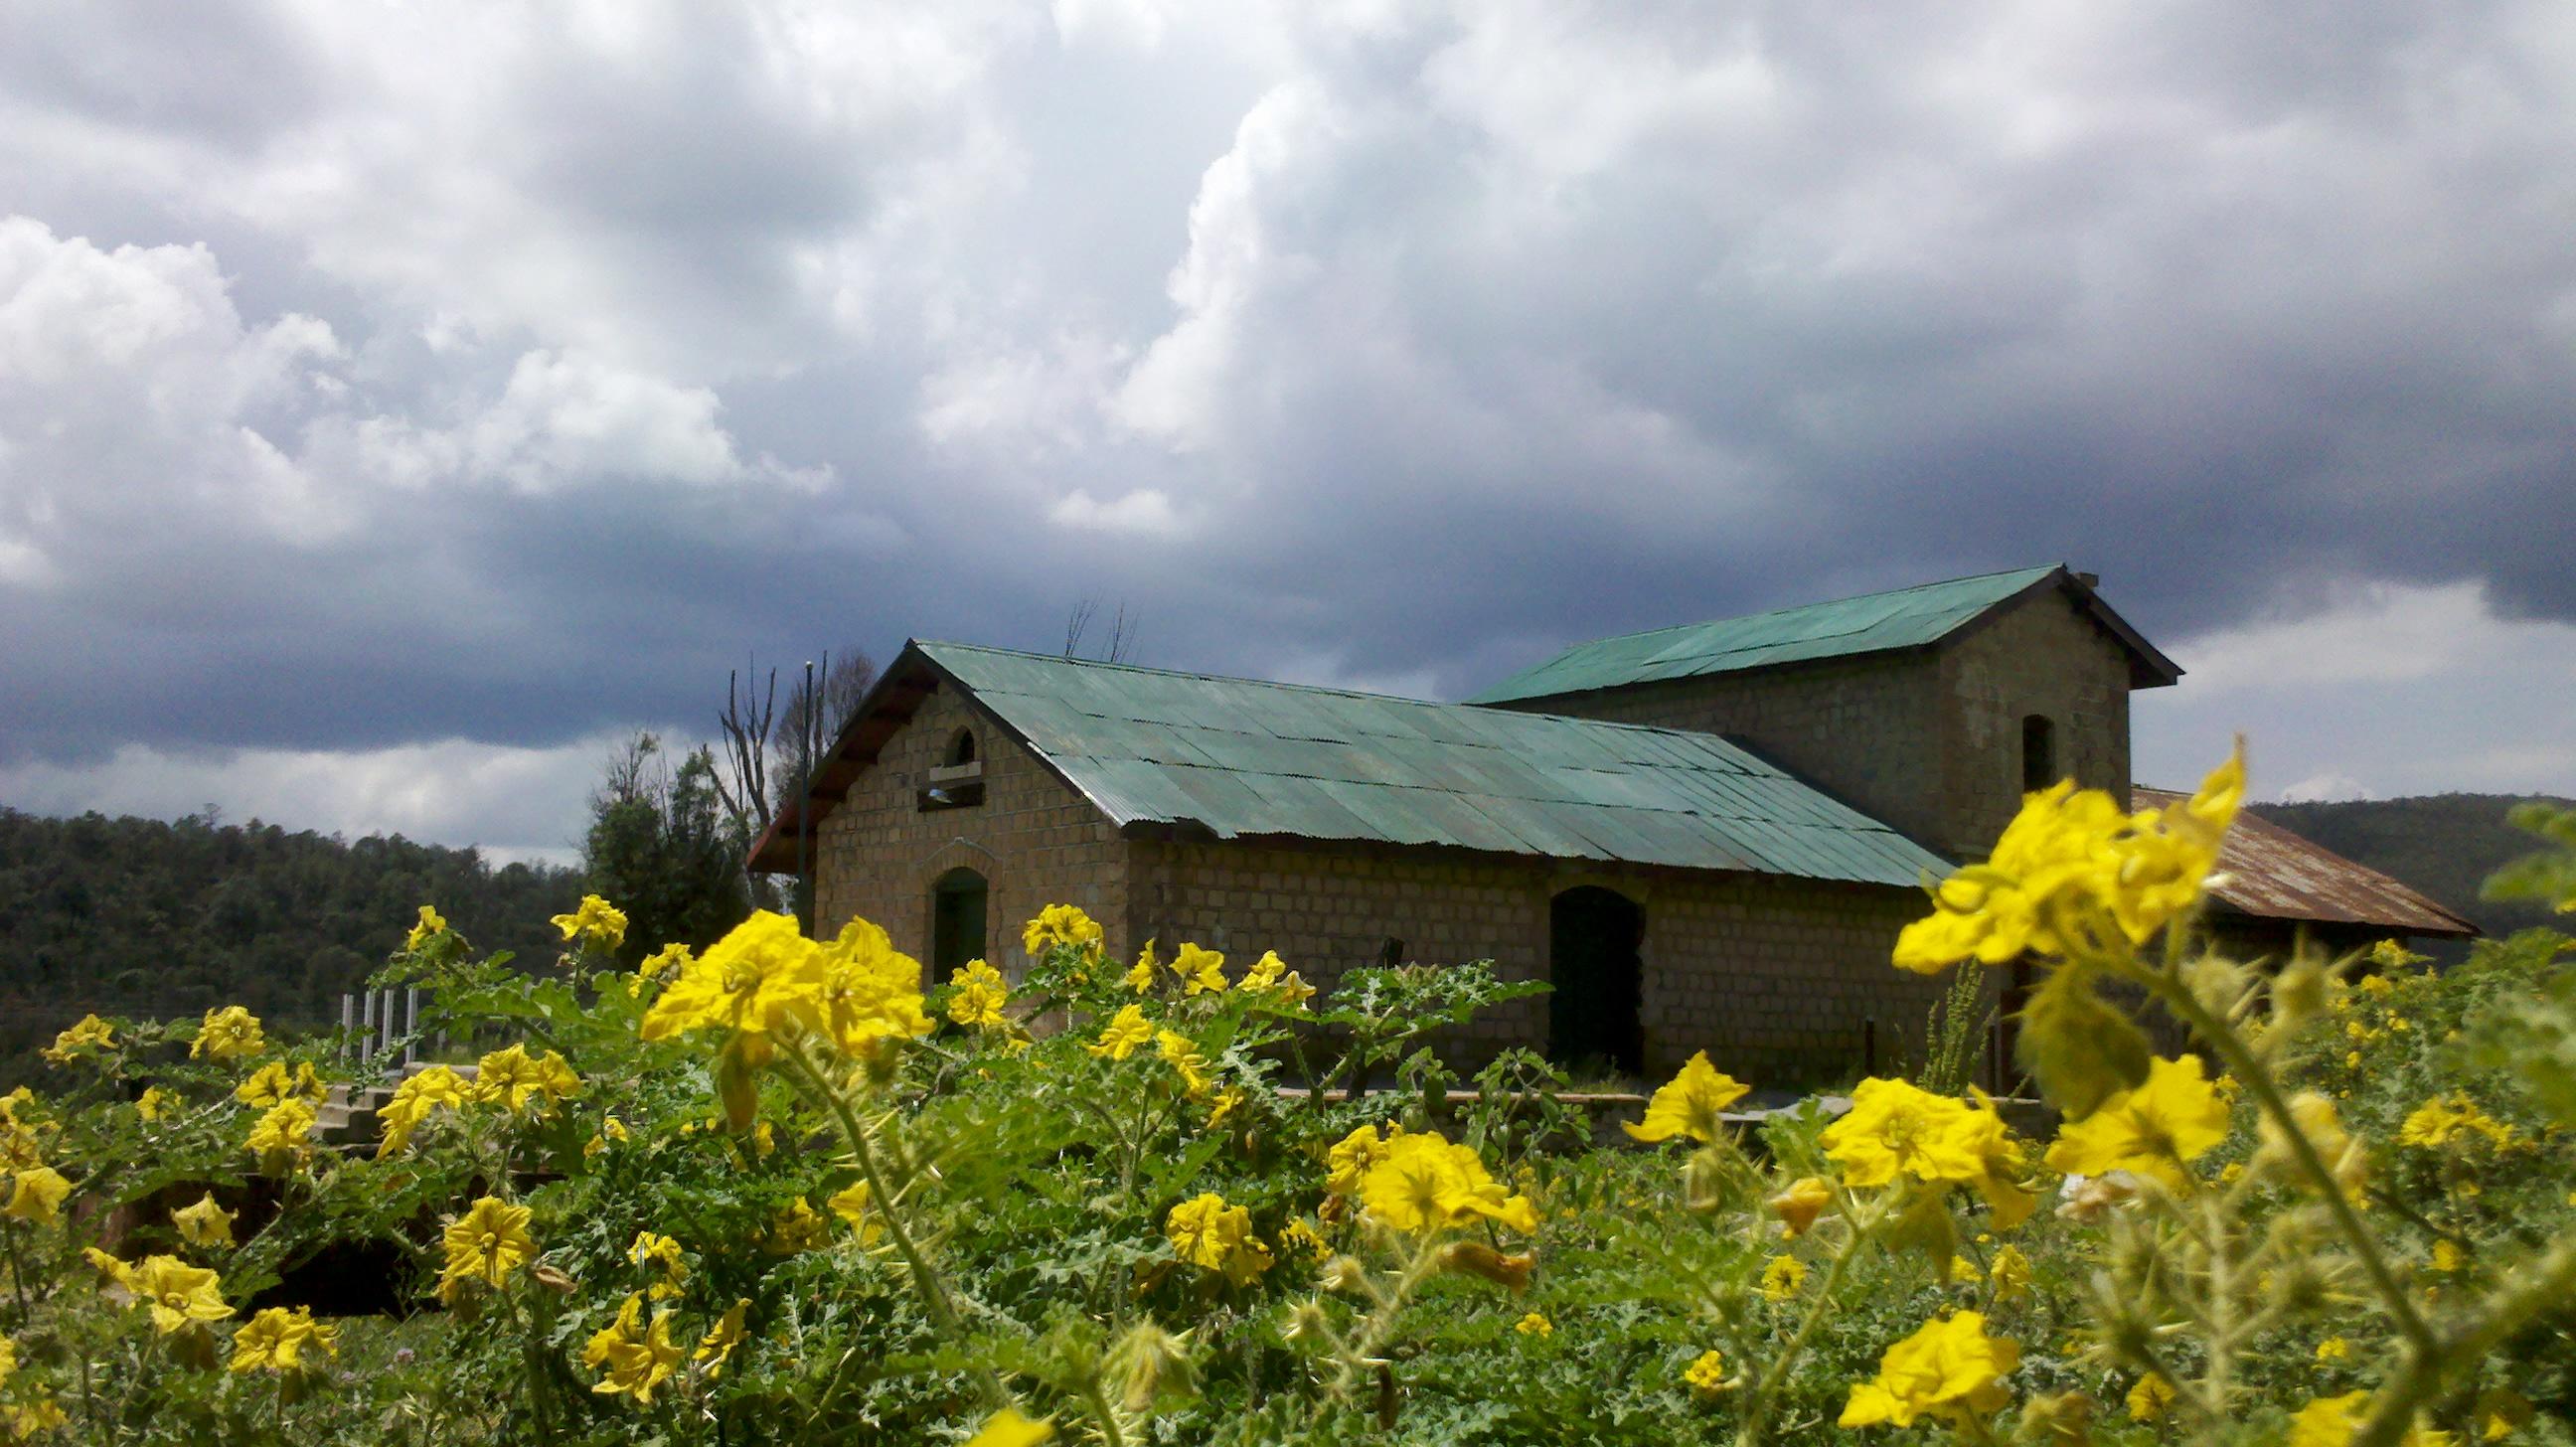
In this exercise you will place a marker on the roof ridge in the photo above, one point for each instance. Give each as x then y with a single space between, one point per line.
1818 603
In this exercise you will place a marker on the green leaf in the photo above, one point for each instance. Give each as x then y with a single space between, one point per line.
2080 1048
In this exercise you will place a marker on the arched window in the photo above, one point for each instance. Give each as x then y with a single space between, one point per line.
961 749
956 920
2038 753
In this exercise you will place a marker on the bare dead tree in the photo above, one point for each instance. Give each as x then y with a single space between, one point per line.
808 723
742 784
1077 624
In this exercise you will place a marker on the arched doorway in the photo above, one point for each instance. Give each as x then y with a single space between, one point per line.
956 920
1592 1017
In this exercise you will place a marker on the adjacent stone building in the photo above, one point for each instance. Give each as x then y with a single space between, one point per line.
1703 838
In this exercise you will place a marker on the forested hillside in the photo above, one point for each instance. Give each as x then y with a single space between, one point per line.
142 917
2443 844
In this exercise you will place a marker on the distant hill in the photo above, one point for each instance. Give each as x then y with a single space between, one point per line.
144 917
2443 844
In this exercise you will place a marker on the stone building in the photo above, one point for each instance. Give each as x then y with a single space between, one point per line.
1704 837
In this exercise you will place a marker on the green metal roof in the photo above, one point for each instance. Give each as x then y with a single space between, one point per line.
1905 618
1247 759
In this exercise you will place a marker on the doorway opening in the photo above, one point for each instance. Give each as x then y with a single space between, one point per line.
1592 952
956 920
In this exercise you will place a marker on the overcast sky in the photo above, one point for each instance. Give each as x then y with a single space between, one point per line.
398 400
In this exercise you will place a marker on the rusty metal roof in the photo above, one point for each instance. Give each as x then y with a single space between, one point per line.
1914 617
1233 758
2275 874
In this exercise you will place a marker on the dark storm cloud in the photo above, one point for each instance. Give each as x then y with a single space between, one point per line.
527 375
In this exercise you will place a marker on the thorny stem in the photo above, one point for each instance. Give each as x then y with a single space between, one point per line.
1757 1408
2252 1073
1373 1331
925 1279
2544 1283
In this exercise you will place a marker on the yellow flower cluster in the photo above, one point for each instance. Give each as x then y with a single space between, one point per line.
2440 1121
1689 1104
1947 1369
2073 870
1781 1278
1206 1232
432 925
593 922
231 1033
485 1245
765 981
2171 1119
650 1249
273 1084
1201 971
91 1033
1422 1185
1706 1375
978 996
412 1102
633 1357
284 1136
511 1077
1065 925
177 1293
1271 975
2333 1422
1126 1032
1896 1132
276 1339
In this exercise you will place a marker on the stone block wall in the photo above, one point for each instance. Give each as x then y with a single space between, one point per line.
1035 840
2042 655
1867 730
1774 977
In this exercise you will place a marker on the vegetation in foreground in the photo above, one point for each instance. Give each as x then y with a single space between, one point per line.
787 1191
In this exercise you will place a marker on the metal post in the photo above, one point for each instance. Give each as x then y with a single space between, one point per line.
348 1022
411 1029
367 1024
387 1019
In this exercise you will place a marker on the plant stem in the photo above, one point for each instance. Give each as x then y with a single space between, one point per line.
2257 1078
925 1279
1757 1408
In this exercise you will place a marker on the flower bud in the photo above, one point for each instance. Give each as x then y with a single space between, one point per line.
1798 1206
1345 1273
1478 1259
1147 1362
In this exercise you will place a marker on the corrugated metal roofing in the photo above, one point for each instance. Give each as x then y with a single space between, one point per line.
1248 759
2275 874
1905 618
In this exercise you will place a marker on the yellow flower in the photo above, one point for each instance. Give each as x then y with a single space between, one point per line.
177 1292
1124 1033
2334 1349
1350 1158
2010 1273
796 1228
2447 1256
1781 1278
1062 924
594 921
283 1136
2154 1130
1948 1369
1302 1235
276 1339
1293 989
2150 1399
205 1223
1422 1185
153 1103
1689 1104
652 1249
510 1077
1894 1129
1798 1206
92 1033
634 1358
273 1084
1206 1232
1182 1054
667 959
761 978
1706 1375
716 1348
2446 1118
1964 1271
431 926
1534 1324
1140 975
850 1203
228 1034
2332 1421
32 1419
871 991
1007 1428
1202 972
36 1196
979 996
485 1244
412 1102
610 1129
1265 972
1227 1102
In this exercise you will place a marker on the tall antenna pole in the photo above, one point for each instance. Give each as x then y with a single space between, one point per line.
804 801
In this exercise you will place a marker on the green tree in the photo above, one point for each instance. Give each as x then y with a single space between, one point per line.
661 849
